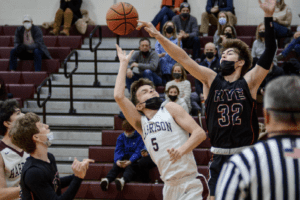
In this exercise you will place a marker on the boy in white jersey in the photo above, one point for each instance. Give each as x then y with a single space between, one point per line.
165 131
12 158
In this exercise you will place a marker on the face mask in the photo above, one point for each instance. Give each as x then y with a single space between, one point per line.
172 98
227 67
27 25
169 29
50 137
177 75
153 103
261 34
298 29
145 53
222 21
210 55
185 15
228 35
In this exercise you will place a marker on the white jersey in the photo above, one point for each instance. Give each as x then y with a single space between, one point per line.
13 164
161 133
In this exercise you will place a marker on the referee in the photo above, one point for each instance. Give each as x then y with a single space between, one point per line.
270 169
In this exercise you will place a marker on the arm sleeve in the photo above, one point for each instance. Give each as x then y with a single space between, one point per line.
35 180
137 154
75 5
229 6
208 6
266 58
194 25
133 59
153 62
65 181
119 151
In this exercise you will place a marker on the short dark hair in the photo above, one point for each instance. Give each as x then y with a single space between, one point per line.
126 126
242 49
22 131
136 85
185 5
172 86
144 39
7 109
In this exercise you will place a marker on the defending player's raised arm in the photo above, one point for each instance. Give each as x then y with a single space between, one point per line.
186 121
129 110
256 76
203 74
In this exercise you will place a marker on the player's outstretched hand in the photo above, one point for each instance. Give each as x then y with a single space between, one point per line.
80 168
268 7
148 27
175 154
122 54
86 163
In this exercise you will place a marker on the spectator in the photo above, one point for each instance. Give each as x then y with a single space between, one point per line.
211 61
227 33
295 44
12 158
222 22
127 153
184 86
282 20
165 61
40 179
69 12
3 93
172 94
187 28
28 45
169 8
145 164
213 8
259 46
146 61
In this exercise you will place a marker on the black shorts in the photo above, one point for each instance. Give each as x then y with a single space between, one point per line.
215 168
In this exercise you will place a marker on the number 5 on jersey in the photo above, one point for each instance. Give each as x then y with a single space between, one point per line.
154 144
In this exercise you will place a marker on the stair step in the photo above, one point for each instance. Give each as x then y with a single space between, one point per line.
68 154
101 55
89 67
77 138
105 80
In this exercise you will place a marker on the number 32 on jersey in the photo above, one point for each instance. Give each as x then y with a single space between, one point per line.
230 114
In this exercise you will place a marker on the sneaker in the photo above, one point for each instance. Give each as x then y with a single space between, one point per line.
120 182
104 184
279 57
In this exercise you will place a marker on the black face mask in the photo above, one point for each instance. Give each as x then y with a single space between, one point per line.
261 34
177 75
145 53
227 67
172 98
153 103
228 35
169 29
185 15
210 55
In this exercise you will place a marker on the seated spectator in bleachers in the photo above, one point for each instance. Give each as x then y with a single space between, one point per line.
69 13
172 95
211 61
213 8
28 45
169 8
223 20
259 46
145 164
165 61
146 61
228 32
184 86
295 44
282 18
127 153
12 158
187 28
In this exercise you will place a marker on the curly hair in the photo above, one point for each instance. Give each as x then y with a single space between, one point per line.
136 85
242 49
22 131
7 109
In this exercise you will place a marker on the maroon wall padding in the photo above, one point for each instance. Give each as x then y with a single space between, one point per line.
202 156
247 39
23 91
50 41
59 52
4 64
11 77
35 78
5 41
118 122
109 137
74 42
205 40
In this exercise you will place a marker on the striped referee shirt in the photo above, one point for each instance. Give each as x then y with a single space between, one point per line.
268 170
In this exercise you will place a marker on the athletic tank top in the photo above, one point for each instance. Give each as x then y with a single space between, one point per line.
13 164
162 133
231 114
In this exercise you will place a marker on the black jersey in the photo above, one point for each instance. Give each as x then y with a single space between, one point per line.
40 180
231 114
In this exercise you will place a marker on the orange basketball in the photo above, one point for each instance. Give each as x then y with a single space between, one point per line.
121 18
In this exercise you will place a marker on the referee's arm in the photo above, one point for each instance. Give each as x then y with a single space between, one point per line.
230 184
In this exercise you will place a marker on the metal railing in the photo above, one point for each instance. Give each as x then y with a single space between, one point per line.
48 79
96 82
70 76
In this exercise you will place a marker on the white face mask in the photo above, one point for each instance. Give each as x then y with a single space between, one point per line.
298 29
50 137
27 25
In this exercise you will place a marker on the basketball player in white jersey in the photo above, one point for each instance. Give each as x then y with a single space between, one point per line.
165 131
12 158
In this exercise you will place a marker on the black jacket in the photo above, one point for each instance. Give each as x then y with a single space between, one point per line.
224 5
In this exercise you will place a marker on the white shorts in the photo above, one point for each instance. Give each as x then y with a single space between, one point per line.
195 188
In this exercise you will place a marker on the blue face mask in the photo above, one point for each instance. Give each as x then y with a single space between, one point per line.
222 21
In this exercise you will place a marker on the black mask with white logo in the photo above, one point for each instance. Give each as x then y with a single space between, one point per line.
227 67
169 29
177 75
153 103
173 98
210 55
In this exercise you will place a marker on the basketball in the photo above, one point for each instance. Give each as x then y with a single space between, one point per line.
121 18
